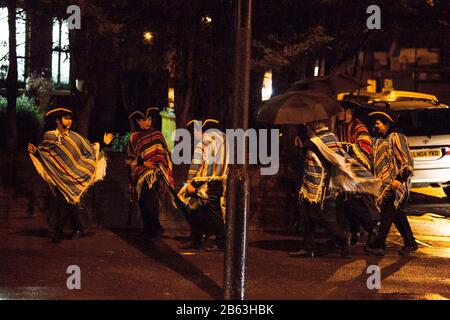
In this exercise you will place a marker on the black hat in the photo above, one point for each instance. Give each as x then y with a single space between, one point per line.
143 113
58 112
205 124
349 104
384 115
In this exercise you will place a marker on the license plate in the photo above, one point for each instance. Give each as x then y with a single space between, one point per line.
427 153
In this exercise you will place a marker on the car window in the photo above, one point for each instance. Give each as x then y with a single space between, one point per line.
424 122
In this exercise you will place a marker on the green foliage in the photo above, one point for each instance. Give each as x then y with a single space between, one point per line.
30 121
38 86
120 142
277 53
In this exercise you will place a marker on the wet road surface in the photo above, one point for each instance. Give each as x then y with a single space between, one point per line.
118 264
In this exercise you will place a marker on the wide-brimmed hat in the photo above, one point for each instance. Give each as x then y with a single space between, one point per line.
142 113
384 115
349 104
58 112
204 124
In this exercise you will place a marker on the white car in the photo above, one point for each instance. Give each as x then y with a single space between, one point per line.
427 127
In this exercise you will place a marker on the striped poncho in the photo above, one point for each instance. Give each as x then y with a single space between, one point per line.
393 161
331 170
356 134
209 165
148 145
70 163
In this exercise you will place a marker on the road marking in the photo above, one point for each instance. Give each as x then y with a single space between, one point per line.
434 215
188 253
424 243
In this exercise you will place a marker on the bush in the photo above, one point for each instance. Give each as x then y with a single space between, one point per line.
39 86
120 142
30 121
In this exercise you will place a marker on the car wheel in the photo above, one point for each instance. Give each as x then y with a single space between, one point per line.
447 191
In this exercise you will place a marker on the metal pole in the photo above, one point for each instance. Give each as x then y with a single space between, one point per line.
362 68
238 186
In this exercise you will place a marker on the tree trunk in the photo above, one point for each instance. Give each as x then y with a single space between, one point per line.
11 80
125 97
41 43
40 59
88 99
83 62
183 117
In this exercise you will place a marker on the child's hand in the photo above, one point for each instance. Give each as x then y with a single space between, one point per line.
191 189
107 138
31 148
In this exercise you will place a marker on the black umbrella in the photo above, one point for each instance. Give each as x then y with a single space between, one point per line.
297 107
330 84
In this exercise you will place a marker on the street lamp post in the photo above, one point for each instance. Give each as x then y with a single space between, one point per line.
238 183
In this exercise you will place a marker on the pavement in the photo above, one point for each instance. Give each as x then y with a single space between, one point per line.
118 264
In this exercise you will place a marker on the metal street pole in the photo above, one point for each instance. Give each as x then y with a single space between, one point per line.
238 184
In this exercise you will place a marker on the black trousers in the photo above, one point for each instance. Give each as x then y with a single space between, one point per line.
59 211
149 206
357 210
206 221
314 215
389 215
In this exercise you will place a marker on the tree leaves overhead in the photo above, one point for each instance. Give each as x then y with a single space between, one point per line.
276 53
288 37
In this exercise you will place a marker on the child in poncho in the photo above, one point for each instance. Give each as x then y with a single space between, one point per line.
70 164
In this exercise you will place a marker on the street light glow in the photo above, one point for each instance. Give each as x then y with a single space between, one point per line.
148 36
207 19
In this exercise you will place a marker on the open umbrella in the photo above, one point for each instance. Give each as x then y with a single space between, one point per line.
330 84
297 107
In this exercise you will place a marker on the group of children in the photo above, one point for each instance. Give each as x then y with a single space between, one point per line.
70 164
367 178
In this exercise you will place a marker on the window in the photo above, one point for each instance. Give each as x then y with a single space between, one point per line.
20 40
424 122
60 55
266 91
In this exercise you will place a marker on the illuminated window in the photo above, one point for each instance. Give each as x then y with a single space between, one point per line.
20 40
266 91
372 87
316 71
60 55
171 97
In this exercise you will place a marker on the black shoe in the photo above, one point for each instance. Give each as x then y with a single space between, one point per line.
408 249
54 239
190 244
375 251
214 247
302 253
77 234
152 236
355 238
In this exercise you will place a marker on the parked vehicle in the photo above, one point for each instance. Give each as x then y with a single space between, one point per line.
427 127
396 95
